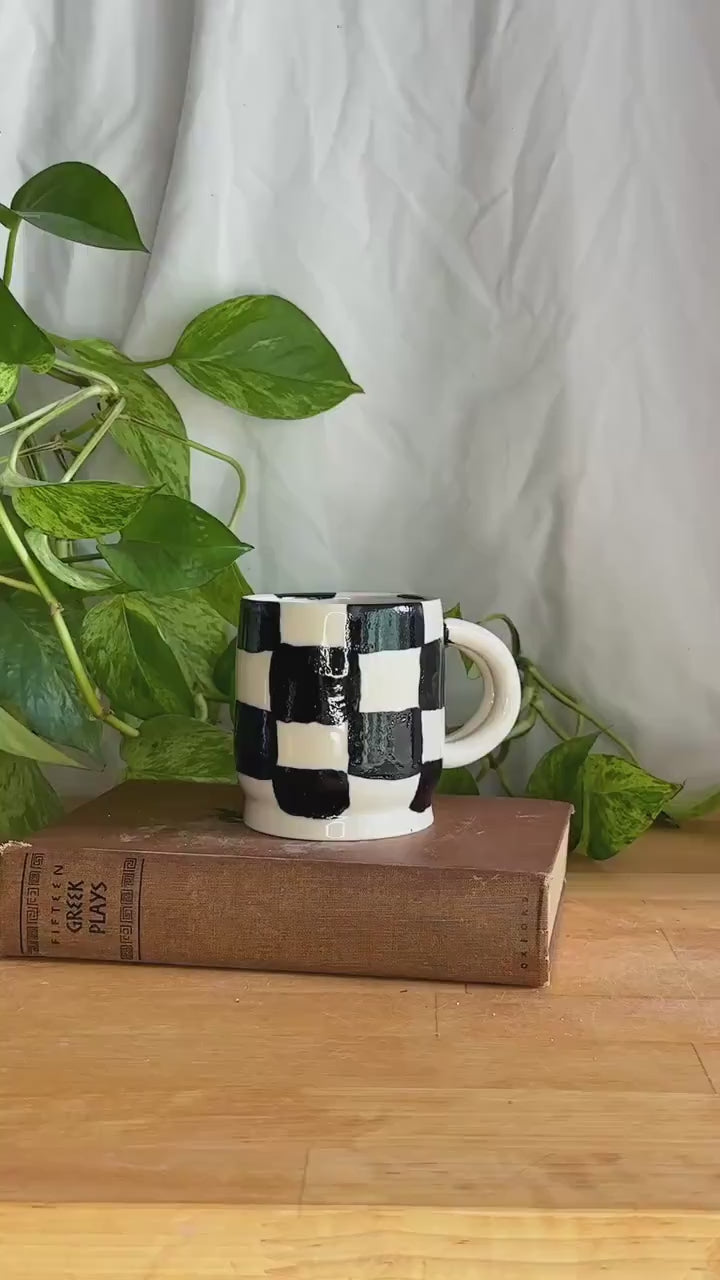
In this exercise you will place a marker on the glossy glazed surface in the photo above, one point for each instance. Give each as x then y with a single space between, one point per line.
340 718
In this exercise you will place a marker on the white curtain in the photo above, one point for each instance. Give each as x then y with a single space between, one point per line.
506 216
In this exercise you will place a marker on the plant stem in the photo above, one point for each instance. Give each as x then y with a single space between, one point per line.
201 706
483 771
89 555
515 647
584 837
73 433
19 586
28 417
523 727
212 453
10 252
502 777
84 682
72 378
567 700
152 364
88 375
551 722
33 465
239 472
56 445
94 441
47 415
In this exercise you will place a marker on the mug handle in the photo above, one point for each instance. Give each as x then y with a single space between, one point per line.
500 706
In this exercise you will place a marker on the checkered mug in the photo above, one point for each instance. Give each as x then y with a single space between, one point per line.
340 711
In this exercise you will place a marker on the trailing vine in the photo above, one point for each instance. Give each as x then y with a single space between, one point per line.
117 601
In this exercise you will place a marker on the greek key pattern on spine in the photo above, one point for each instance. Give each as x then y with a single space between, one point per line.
130 898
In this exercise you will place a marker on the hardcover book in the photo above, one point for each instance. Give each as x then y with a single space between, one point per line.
167 873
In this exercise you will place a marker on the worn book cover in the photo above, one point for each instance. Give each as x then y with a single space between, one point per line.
167 873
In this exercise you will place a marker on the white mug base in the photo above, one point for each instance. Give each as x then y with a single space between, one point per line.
272 821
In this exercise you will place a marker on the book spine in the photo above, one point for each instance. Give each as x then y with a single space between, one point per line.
260 913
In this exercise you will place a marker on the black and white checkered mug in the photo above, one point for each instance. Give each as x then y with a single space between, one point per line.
340 711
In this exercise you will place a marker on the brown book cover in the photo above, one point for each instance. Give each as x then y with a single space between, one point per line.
167 873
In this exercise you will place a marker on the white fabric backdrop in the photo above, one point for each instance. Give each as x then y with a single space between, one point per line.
506 215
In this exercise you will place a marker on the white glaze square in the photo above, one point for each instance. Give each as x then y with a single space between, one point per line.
312 746
433 734
390 680
313 622
434 623
369 795
253 679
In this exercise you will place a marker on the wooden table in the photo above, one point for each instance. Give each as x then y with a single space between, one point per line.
165 1123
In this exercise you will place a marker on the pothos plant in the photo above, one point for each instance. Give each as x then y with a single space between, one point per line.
614 799
118 601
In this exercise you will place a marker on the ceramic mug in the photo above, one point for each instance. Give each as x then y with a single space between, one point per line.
340 711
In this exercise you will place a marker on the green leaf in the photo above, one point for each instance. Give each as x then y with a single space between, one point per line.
27 801
8 555
171 545
224 673
19 741
457 782
558 775
21 341
77 202
622 801
9 378
166 461
194 632
7 217
515 645
83 509
225 592
469 665
79 576
175 747
11 478
264 356
701 807
555 776
131 661
36 676
528 713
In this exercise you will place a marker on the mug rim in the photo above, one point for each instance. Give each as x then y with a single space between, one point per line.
373 599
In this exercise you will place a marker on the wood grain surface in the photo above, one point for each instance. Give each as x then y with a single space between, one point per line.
172 1123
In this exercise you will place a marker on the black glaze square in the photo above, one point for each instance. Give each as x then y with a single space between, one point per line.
429 778
432 671
255 739
385 744
309 683
372 628
259 629
354 684
312 793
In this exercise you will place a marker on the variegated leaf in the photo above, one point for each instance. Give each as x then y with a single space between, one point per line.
164 458
264 356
